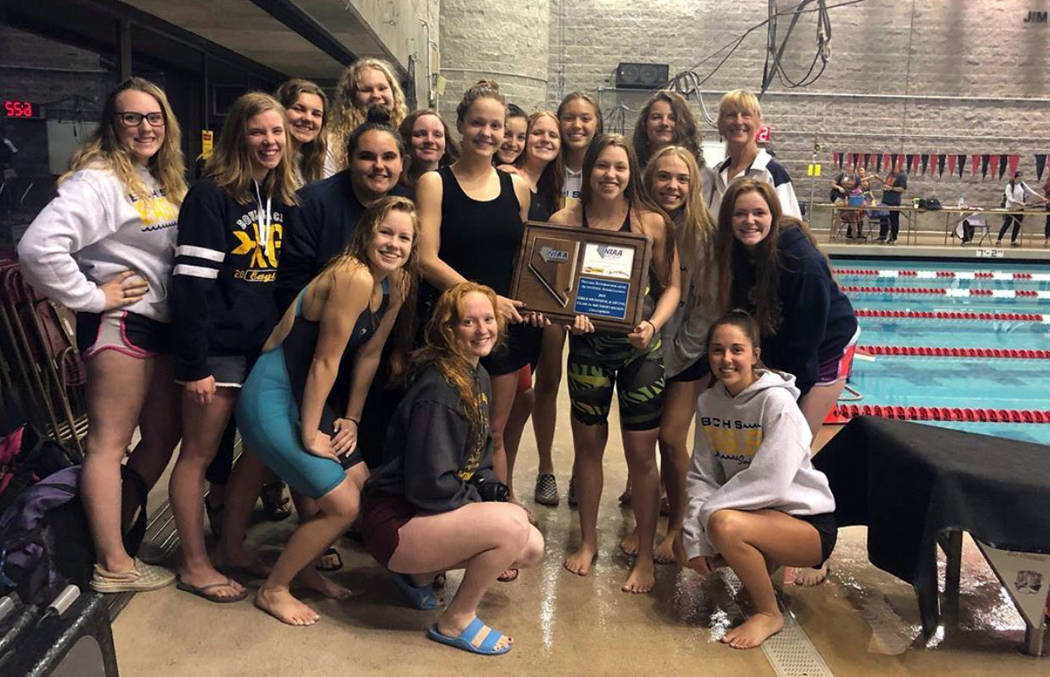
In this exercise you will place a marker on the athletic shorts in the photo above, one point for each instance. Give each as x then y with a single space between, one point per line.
520 348
126 332
840 366
828 530
229 371
638 378
694 372
382 516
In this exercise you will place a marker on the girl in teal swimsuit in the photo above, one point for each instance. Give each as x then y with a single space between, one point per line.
301 405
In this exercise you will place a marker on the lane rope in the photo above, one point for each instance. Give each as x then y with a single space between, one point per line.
928 351
844 412
953 292
951 315
943 274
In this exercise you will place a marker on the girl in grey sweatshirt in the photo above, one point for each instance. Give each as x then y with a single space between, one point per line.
755 501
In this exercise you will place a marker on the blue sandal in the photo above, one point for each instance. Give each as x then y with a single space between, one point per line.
463 640
421 596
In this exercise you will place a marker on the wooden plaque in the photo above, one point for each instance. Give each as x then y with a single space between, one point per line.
564 271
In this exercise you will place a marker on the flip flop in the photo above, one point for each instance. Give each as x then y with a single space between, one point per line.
422 596
508 576
330 552
463 639
202 591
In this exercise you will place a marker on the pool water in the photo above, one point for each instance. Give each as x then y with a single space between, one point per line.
996 383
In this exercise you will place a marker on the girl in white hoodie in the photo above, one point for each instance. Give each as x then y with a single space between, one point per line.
104 248
755 500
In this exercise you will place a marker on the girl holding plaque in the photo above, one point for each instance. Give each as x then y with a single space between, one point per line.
612 199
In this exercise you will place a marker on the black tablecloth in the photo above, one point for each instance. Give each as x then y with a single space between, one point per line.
908 482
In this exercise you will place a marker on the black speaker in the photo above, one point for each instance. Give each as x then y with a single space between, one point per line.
641 75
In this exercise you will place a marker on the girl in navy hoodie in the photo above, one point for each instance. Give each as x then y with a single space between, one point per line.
229 240
776 272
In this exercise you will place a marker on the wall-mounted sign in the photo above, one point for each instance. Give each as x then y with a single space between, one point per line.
763 133
1035 17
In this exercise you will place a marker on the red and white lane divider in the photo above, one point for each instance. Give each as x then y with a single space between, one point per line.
950 315
927 351
844 412
943 274
951 292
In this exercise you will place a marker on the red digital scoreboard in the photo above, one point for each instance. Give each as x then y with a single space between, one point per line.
17 109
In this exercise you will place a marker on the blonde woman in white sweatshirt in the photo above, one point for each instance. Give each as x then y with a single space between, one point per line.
755 500
104 248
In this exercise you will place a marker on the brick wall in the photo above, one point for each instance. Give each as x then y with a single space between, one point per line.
504 41
981 58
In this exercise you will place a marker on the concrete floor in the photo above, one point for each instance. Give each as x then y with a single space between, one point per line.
862 622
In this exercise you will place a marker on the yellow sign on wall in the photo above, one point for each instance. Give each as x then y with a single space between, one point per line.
813 169
207 137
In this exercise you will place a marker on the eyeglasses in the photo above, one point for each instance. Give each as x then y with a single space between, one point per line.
135 119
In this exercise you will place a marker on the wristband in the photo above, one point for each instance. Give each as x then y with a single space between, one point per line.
651 325
356 421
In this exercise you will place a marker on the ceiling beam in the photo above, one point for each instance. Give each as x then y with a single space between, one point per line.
293 16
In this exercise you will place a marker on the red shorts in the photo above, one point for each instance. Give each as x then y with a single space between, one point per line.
839 367
382 515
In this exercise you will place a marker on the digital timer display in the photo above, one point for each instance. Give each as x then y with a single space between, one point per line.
20 109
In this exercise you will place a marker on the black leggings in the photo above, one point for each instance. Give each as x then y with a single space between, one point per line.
1016 219
892 223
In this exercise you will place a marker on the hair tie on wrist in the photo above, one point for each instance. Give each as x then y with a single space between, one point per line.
651 325
357 422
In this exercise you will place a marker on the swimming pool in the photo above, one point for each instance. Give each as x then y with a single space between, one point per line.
912 304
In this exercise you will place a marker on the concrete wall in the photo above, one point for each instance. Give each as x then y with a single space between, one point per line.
980 58
499 40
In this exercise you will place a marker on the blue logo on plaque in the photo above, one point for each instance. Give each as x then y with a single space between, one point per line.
602 298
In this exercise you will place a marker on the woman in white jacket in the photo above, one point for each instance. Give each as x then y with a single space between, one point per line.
755 500
104 248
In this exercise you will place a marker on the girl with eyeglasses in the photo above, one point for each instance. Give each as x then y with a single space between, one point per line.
104 248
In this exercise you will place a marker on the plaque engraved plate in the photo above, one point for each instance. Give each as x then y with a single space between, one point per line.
563 271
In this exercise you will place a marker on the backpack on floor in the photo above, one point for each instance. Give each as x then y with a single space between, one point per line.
45 540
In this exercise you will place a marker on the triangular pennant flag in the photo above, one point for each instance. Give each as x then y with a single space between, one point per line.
925 160
993 165
886 162
893 162
1014 161
867 157
1040 165
856 160
914 164
837 160
962 161
941 157
952 161
908 157
1002 166
842 158
984 166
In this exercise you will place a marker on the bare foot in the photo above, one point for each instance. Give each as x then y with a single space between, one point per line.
202 578
641 578
580 561
664 553
280 604
311 579
754 631
629 545
808 577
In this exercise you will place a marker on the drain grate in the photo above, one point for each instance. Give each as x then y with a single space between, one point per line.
790 652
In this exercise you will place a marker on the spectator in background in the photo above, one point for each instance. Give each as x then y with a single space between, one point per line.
893 187
1015 197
